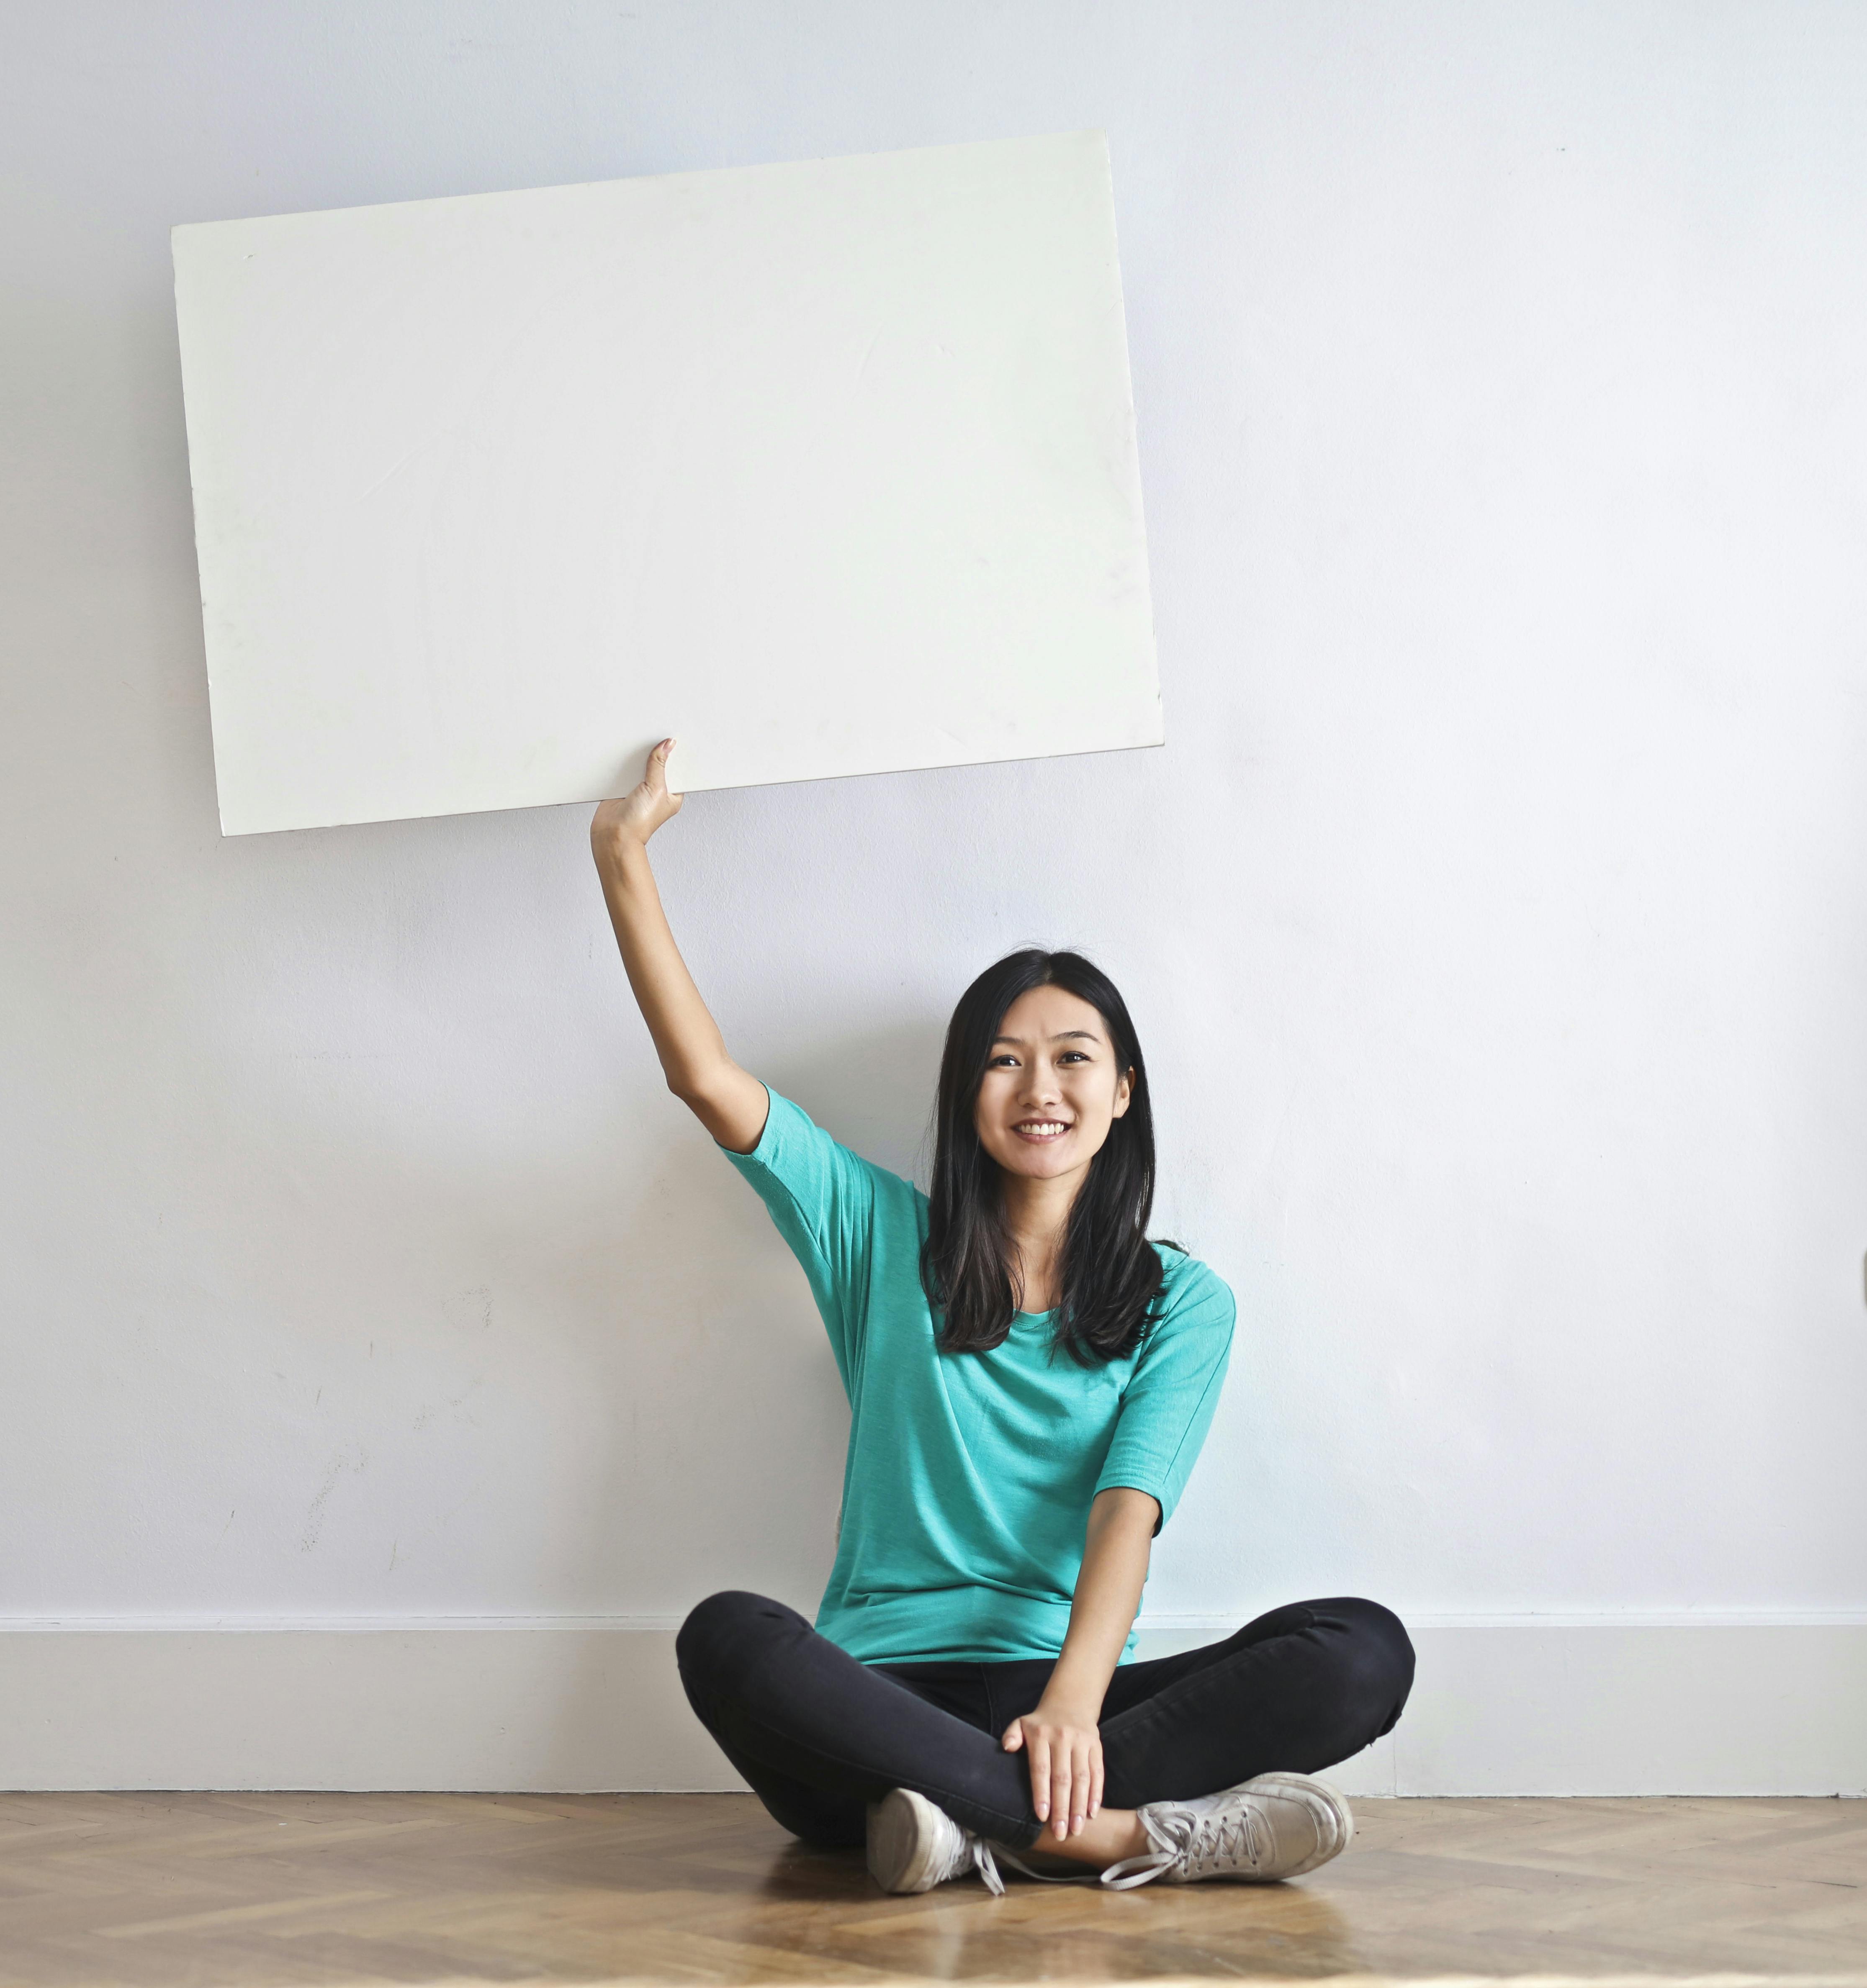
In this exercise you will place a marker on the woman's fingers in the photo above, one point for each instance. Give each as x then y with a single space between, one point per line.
638 813
1066 1772
672 800
1060 1778
1080 1783
1041 1775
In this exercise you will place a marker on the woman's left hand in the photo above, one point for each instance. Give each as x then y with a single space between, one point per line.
1064 1748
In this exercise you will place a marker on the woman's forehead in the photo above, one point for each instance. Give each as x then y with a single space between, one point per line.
1052 1011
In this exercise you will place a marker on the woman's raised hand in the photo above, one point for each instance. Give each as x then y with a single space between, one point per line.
729 1103
1064 1750
636 814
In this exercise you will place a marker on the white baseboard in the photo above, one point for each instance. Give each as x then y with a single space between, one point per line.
1536 1705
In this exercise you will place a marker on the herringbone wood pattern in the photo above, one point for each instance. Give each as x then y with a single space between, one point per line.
248 1890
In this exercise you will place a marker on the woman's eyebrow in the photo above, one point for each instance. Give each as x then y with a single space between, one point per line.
1063 1036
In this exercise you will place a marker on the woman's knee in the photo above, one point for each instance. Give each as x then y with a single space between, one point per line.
1376 1654
723 1633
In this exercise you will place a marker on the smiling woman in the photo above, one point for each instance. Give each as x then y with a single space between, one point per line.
1043 1177
1030 1378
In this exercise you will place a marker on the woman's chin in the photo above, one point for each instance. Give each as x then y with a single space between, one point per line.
1035 1162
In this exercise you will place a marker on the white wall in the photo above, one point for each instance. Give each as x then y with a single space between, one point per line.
1494 917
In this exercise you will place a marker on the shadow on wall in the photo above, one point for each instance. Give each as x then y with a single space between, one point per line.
536 1353
725 1393
874 1092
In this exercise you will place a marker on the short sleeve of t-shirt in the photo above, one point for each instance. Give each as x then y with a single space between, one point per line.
1167 1406
821 1196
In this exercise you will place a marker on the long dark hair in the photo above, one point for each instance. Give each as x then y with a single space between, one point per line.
1111 1273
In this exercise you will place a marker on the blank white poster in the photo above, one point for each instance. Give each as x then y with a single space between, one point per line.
824 468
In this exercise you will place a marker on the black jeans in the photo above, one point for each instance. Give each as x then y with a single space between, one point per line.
820 1736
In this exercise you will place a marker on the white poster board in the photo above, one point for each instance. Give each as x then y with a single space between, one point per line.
824 468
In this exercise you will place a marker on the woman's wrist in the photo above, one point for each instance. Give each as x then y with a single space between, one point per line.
616 849
1074 1717
1067 1702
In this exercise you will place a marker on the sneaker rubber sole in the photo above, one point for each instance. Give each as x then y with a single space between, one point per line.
905 1841
1335 1818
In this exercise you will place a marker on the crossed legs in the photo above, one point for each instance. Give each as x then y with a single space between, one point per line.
819 1735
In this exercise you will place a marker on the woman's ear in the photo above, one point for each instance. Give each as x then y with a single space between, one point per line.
1125 1090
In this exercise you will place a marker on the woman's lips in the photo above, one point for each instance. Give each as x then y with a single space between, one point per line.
1057 1128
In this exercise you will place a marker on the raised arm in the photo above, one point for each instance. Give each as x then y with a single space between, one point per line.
729 1101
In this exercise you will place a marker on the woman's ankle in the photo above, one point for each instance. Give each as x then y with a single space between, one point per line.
1104 1839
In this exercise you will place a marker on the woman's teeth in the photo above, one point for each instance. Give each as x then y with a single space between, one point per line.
1041 1128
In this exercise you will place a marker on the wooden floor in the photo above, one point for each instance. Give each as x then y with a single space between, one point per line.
251 1890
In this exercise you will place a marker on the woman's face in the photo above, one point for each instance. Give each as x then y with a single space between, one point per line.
1051 1089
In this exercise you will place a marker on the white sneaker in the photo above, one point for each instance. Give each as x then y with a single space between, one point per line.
1274 1826
914 1845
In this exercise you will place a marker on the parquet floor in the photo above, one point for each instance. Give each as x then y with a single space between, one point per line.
247 1891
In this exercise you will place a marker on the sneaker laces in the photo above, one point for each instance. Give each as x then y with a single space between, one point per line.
1221 1840
986 1858
974 1854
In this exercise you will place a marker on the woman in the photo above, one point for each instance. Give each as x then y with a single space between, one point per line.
1029 1380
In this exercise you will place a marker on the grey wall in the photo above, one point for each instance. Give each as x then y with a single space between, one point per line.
1494 917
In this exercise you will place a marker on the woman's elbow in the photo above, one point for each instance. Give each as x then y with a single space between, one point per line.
1122 1505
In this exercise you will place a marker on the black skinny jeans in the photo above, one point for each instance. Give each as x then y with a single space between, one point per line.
820 1736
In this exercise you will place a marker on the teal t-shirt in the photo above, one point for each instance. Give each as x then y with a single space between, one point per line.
969 1476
